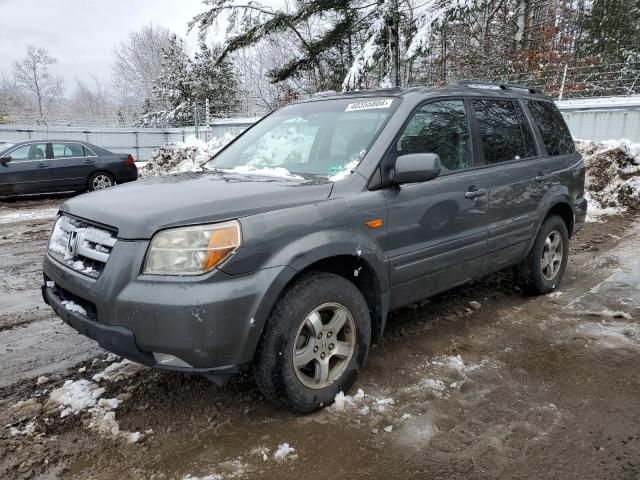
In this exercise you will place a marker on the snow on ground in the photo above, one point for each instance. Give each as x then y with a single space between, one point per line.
613 175
12 216
611 334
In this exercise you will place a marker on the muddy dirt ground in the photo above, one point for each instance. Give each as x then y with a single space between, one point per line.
510 387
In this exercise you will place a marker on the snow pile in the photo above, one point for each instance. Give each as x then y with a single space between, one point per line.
78 396
613 174
187 156
282 452
360 403
118 371
28 429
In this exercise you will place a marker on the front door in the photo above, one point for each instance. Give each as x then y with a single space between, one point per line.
437 234
27 171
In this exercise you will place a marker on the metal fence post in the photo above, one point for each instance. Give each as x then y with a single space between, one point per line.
137 147
195 118
207 118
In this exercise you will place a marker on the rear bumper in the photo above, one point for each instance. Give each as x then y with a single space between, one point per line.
579 214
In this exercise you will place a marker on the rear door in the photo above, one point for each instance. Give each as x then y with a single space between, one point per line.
27 172
437 235
71 165
517 174
566 167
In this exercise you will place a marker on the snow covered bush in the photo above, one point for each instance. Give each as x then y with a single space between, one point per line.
613 173
187 156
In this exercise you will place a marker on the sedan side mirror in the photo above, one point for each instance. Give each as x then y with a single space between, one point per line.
5 160
416 167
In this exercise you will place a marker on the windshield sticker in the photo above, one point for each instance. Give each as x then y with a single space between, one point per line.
369 104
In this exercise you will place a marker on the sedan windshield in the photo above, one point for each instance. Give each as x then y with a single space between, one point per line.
5 147
315 138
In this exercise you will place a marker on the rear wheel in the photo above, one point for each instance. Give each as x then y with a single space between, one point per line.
315 343
544 267
100 181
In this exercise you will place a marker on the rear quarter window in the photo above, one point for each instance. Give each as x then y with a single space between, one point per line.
553 129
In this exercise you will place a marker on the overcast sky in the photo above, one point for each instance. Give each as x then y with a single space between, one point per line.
82 34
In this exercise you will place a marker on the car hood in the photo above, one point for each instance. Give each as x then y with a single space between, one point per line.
141 208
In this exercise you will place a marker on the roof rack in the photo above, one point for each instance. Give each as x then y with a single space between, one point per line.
499 86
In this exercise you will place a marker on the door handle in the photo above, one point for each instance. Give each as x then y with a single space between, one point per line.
475 192
43 165
542 177
89 160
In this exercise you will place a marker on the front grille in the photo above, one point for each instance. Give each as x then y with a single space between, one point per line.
81 246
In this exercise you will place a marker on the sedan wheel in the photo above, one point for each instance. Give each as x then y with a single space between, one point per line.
324 345
101 181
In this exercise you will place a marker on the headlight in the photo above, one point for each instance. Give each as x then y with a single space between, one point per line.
191 250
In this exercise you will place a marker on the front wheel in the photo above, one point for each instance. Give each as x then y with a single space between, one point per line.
315 343
544 267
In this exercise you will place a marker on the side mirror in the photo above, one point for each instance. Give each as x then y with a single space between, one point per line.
416 167
5 160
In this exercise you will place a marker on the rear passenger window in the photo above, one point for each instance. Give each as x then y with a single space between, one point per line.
553 129
441 128
504 131
62 150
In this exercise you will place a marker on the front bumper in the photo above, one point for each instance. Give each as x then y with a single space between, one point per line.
211 323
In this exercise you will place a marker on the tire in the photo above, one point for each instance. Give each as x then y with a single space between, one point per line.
544 267
294 322
100 181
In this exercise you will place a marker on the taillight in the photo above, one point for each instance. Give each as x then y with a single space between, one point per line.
130 160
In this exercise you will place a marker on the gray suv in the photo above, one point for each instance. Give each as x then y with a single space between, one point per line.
287 253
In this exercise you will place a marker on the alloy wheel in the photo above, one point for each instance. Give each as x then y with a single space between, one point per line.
101 181
552 255
324 345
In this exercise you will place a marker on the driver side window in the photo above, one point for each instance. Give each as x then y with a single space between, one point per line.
442 128
29 152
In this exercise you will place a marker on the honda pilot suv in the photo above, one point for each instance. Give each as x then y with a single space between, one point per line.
286 254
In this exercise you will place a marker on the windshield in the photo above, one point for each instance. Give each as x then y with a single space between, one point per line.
315 138
4 147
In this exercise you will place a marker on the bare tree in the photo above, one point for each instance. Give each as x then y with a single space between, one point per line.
138 62
33 75
92 103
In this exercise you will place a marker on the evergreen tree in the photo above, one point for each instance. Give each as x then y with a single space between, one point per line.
612 31
186 82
